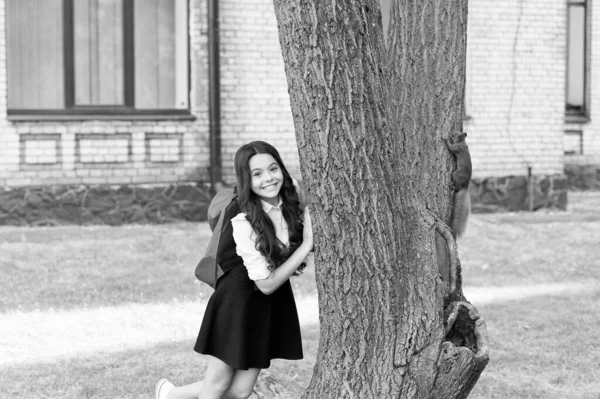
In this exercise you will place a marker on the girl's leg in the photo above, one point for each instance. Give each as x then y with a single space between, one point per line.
242 384
216 381
190 391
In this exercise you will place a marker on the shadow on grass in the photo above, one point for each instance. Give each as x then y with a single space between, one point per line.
133 373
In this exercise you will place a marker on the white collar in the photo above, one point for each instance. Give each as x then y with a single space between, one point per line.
268 207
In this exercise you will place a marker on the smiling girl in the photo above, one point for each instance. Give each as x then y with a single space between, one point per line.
251 317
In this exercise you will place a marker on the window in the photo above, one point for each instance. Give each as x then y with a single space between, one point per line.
573 142
576 58
97 57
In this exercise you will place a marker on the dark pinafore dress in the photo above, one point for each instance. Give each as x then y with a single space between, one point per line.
242 326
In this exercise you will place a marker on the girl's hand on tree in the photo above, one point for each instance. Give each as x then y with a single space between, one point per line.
307 234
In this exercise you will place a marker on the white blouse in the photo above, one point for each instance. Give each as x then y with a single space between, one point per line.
245 240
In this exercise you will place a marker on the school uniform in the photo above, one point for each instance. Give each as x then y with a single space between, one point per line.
242 326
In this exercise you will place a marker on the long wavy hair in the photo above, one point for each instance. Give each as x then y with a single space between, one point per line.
267 242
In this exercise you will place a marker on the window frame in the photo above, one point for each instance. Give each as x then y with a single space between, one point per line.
579 134
70 111
578 115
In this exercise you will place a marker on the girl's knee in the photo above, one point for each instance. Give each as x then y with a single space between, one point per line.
242 384
216 386
217 378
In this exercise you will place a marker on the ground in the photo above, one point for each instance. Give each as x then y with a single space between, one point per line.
104 312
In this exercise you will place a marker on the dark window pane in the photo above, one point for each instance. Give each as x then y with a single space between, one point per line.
35 54
160 42
576 58
99 55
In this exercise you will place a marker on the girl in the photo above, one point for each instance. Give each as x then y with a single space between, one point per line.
251 317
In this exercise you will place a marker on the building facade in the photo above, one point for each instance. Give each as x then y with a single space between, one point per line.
116 92
77 108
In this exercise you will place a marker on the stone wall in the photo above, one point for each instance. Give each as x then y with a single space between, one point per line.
83 205
512 193
112 205
583 177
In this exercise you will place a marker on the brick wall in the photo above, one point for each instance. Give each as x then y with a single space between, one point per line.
255 103
516 86
515 77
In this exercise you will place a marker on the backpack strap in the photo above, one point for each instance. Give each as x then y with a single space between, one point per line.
218 204
208 270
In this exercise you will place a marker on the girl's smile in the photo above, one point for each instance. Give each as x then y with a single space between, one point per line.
267 177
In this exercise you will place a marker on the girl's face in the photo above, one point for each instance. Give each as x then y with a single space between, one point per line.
267 177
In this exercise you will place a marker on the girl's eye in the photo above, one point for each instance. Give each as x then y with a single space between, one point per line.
256 175
274 169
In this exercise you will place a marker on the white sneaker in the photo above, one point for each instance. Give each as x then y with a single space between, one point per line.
163 387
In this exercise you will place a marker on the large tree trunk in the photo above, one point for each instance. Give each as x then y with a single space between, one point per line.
369 119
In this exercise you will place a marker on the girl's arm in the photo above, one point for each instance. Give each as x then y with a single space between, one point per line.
280 275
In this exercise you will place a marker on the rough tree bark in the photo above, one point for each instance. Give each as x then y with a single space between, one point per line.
370 115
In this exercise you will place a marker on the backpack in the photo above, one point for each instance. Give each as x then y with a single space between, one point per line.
208 269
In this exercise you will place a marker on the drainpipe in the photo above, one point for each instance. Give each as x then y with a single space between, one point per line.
214 96
531 188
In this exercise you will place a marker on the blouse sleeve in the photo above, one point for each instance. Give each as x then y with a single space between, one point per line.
245 240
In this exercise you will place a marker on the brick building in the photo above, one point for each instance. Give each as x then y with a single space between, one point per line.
131 105
71 119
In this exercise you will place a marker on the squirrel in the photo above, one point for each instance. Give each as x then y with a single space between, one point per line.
460 182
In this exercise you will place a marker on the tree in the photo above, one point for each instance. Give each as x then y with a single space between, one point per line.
370 114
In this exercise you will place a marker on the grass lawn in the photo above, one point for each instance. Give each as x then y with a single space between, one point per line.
78 267
544 348
541 347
